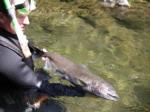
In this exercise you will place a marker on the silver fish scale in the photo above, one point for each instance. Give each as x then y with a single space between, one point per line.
83 77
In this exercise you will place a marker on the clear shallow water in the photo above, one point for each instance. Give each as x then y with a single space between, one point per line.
111 44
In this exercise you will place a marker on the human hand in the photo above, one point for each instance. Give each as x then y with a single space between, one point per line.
43 57
46 60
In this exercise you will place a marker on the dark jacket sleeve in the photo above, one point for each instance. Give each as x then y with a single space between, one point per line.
14 68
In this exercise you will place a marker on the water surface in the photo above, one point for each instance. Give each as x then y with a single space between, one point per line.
112 43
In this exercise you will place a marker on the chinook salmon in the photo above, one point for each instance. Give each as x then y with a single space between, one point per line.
80 76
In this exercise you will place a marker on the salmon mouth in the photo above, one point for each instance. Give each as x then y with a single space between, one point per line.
114 97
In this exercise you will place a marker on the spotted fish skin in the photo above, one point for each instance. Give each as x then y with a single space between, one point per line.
81 76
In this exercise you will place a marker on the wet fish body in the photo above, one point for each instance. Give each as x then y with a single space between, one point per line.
81 76
113 3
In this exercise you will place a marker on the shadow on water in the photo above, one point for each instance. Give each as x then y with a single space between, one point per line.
15 99
142 94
